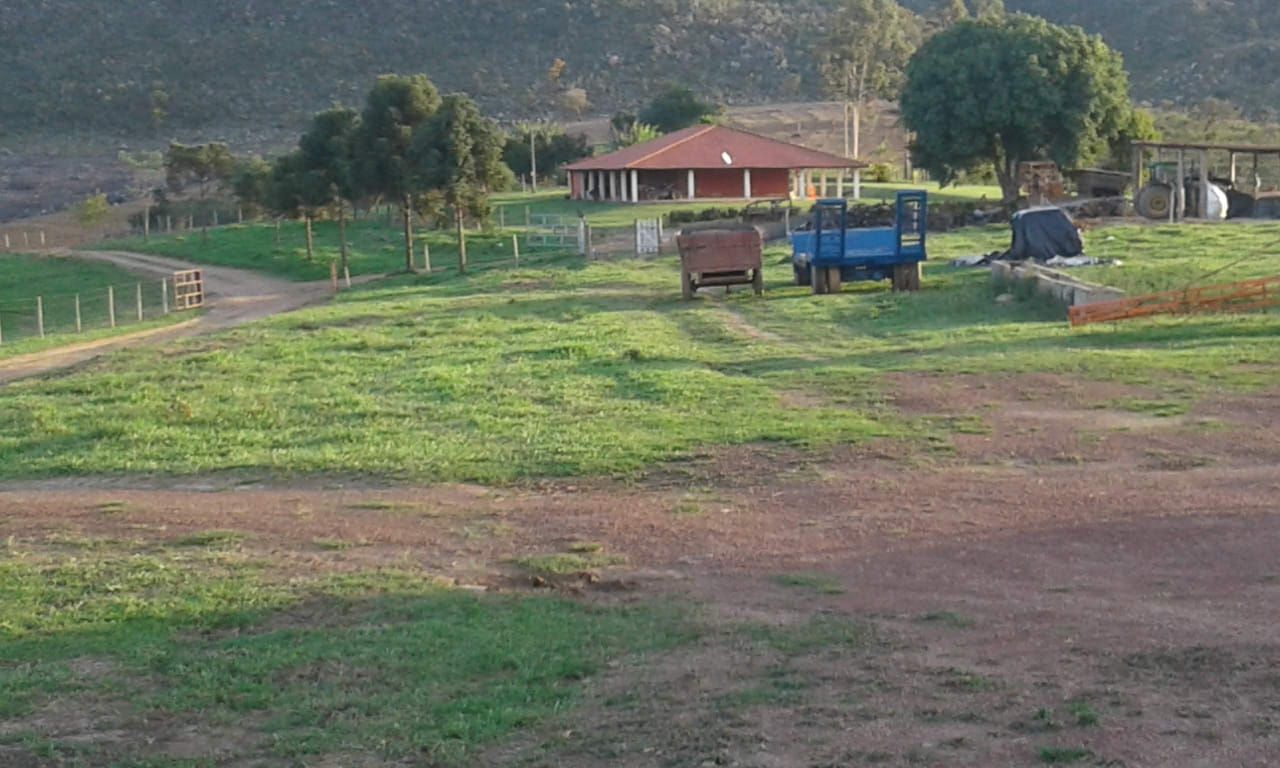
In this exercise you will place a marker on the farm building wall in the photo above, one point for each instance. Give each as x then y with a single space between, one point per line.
771 183
726 182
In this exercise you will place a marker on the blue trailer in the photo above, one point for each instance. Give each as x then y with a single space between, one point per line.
829 253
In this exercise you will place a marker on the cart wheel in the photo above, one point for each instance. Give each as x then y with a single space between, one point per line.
818 277
833 279
757 282
686 285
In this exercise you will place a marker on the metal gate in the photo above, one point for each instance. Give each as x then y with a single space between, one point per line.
648 237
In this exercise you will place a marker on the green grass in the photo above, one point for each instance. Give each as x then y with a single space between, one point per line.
576 368
810 582
384 663
568 563
1064 755
376 248
57 280
1165 258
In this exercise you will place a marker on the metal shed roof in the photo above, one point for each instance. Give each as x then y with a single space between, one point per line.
706 147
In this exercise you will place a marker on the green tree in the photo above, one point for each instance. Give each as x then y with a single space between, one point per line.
636 133
677 108
92 210
251 183
864 56
298 192
555 150
207 167
988 9
458 153
328 154
395 108
1003 90
948 14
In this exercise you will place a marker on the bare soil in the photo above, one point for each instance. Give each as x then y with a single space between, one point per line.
1062 573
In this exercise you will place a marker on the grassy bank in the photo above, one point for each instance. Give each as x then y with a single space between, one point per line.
137 637
584 369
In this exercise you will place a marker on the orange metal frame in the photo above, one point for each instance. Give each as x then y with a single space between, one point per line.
1232 297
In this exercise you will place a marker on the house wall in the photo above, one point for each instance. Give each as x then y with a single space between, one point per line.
771 183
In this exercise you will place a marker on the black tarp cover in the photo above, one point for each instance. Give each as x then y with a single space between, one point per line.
1040 234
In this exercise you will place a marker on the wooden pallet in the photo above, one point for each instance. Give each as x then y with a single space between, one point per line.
188 289
1244 296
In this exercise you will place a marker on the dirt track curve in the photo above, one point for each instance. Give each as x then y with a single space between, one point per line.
233 297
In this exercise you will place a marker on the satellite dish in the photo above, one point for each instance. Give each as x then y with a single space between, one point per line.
727 158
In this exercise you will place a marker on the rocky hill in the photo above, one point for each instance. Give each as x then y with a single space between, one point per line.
170 67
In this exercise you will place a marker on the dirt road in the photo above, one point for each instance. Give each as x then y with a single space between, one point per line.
233 297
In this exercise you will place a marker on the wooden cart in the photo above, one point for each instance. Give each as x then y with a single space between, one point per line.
721 257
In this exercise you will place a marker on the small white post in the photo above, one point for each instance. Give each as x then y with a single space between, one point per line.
746 183
26 239
6 241
139 293
515 248
78 326
111 305
40 315
426 256
164 296
42 243
502 217
346 275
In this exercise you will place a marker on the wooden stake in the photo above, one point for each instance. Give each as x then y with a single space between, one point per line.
40 315
78 326
462 243
333 275
426 256
111 305
502 217
6 241
528 216
164 296
139 294
346 275
26 239
515 248
146 223
42 243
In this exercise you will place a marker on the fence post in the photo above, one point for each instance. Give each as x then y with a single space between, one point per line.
40 315
164 295
79 327
42 242
426 256
515 248
168 224
591 251
215 217
346 276
111 305
139 291
502 217
26 239
6 241
333 275
146 223
239 215
528 216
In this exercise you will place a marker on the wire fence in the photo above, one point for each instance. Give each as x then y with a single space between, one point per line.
65 314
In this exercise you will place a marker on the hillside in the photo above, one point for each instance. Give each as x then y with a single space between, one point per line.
165 67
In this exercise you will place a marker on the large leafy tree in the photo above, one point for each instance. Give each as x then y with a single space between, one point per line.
206 167
677 108
865 54
1006 89
458 154
298 192
395 108
327 153
555 149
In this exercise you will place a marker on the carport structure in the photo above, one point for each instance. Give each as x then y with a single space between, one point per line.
709 162
1232 160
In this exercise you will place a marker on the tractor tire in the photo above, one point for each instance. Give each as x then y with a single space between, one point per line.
1154 202
803 275
819 280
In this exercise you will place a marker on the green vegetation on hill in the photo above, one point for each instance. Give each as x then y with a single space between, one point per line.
588 368
166 66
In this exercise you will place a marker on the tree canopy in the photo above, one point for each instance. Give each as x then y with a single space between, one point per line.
1007 89
676 108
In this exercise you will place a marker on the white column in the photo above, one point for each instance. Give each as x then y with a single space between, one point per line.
857 184
635 186
840 183
693 185
746 183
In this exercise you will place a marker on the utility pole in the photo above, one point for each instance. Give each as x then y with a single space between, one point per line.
533 158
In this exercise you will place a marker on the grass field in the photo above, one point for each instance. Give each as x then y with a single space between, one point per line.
585 369
556 202
57 280
1166 258
157 633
